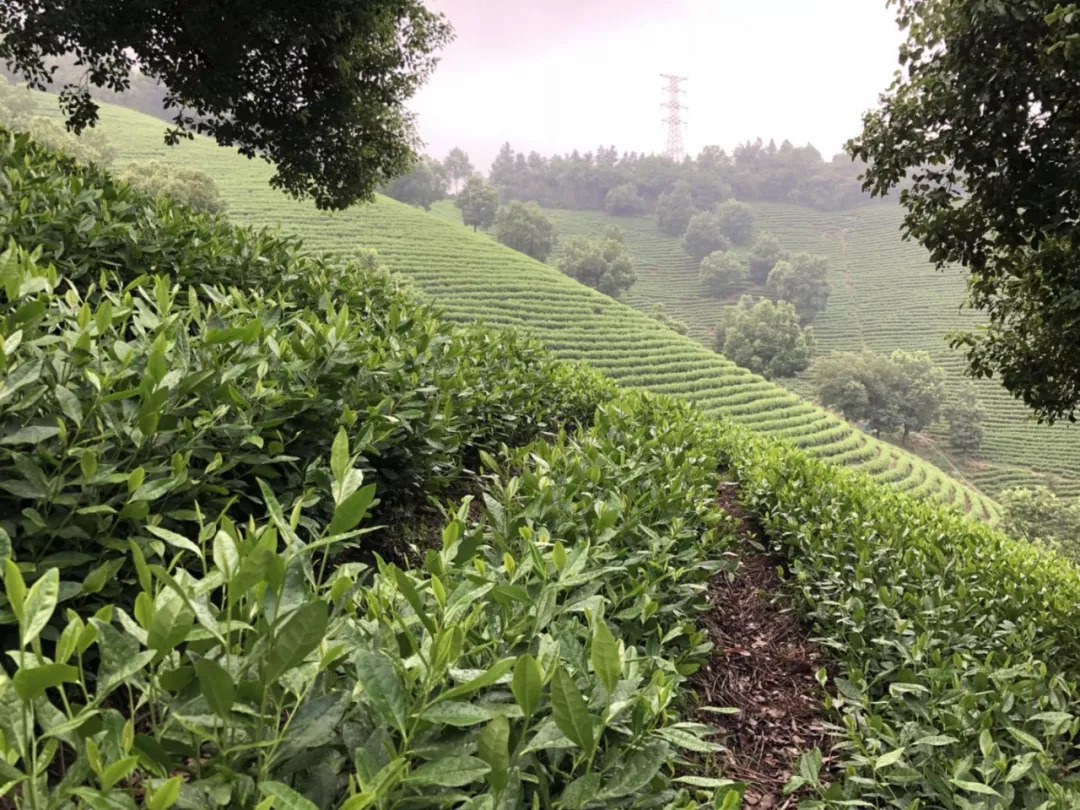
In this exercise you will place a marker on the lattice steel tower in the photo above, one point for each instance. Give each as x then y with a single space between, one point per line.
674 121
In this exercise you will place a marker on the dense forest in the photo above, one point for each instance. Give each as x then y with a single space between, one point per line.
606 179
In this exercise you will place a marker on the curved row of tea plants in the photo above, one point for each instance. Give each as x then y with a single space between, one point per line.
472 278
885 295
959 649
201 426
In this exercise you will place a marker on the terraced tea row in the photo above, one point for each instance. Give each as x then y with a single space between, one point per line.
885 295
471 277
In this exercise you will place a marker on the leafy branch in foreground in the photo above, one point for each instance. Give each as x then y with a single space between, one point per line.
317 90
979 131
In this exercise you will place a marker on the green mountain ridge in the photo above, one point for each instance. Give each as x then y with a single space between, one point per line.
472 278
885 295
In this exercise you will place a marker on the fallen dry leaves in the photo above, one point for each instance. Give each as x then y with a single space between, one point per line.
762 664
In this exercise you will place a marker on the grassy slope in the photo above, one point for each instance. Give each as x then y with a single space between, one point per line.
885 295
471 277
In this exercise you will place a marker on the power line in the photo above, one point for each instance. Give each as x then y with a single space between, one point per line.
674 119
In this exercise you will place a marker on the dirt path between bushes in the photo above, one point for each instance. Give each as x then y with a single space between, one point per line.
764 665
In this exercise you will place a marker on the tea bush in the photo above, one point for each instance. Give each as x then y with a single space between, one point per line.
197 424
535 656
959 648
201 428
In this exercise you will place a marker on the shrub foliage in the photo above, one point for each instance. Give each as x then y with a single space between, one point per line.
212 443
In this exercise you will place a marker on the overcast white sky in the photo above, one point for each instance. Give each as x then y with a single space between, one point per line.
564 74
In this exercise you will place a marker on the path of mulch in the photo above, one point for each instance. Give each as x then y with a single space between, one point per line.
762 664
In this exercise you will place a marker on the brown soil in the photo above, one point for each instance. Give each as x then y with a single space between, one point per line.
762 664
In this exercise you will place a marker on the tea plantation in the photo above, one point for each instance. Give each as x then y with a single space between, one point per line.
471 278
275 534
885 295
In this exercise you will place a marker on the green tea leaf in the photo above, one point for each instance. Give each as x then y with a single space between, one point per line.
848 689
14 588
299 635
340 461
690 742
891 758
1054 718
382 686
976 787
493 673
121 769
316 721
570 711
225 554
936 740
216 686
172 538
456 713
637 770
493 747
285 798
1025 739
408 590
32 434
166 794
528 684
32 683
69 404
1020 768
171 622
449 772
39 605
605 656
705 781
352 510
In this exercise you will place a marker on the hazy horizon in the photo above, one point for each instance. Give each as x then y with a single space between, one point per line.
801 70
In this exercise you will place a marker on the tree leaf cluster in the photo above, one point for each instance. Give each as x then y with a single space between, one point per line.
479 203
802 280
765 338
191 187
901 392
319 90
604 264
978 128
525 228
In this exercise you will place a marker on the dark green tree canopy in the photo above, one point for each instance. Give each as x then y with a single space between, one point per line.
704 235
736 221
422 185
965 414
764 255
318 89
478 202
674 209
603 264
804 281
980 125
721 271
765 338
524 227
624 200
901 392
457 166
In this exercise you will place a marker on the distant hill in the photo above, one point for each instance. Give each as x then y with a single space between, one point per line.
474 278
885 295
